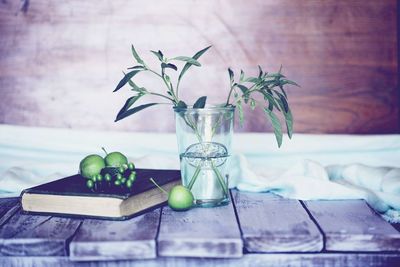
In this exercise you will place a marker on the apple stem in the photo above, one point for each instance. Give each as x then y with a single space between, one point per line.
159 187
105 151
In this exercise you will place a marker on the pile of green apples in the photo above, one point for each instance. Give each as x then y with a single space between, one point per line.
113 169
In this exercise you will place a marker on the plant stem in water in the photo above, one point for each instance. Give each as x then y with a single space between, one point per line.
220 178
194 178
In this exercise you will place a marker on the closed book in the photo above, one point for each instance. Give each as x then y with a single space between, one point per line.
70 196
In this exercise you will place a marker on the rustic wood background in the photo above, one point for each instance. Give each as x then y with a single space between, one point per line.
60 60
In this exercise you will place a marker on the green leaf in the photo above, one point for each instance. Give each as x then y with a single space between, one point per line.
243 88
286 81
167 78
188 65
136 68
129 102
181 104
252 80
201 102
271 101
253 104
288 116
134 110
158 54
283 91
282 101
231 76
241 113
276 125
260 72
274 75
168 65
126 78
188 60
241 76
136 56
135 87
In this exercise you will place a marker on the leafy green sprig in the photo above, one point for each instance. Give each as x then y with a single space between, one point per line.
271 87
172 93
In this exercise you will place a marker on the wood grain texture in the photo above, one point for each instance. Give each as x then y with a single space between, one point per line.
351 225
8 206
70 54
270 223
118 240
248 260
201 232
27 235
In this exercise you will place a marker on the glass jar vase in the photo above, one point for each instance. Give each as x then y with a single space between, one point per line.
204 143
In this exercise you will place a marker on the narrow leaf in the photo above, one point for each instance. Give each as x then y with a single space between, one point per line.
181 104
133 111
253 104
276 125
241 76
243 88
129 102
188 60
274 75
285 81
168 65
136 68
260 72
188 65
126 78
200 103
283 91
288 117
158 54
136 56
231 76
240 111
252 80
271 101
135 87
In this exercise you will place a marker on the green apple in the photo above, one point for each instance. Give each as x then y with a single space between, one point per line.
91 166
180 198
115 159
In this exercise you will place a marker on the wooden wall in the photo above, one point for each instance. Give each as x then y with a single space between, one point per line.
60 61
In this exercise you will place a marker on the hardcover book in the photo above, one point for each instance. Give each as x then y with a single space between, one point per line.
71 196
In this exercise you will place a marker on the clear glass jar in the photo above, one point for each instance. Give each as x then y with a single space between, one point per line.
204 142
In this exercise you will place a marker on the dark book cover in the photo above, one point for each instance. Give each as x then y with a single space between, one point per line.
76 186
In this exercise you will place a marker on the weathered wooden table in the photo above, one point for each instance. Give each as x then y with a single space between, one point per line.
254 230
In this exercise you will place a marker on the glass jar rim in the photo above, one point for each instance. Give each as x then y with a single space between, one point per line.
207 108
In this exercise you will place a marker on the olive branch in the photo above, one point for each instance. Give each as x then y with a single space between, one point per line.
269 85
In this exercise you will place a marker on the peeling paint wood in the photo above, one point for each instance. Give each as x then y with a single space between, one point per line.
116 240
248 260
201 232
27 235
351 225
270 223
71 54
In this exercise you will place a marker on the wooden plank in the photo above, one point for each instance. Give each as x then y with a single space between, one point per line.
118 240
200 232
270 223
248 260
351 225
8 206
334 49
27 235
